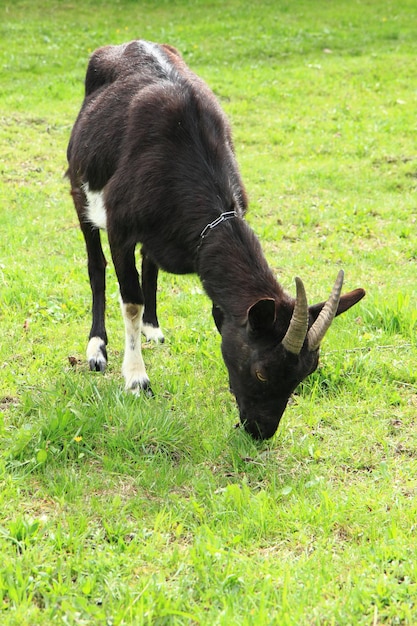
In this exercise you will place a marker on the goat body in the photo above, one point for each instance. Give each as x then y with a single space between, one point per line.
151 161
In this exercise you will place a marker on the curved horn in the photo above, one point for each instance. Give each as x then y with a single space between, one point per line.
327 315
297 330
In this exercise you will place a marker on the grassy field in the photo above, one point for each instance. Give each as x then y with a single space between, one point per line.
123 510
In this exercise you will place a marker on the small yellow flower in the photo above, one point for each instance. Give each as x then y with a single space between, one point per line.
78 438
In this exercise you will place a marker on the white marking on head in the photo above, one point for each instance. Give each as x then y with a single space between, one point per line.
154 51
96 210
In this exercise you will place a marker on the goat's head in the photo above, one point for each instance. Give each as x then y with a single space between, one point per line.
275 348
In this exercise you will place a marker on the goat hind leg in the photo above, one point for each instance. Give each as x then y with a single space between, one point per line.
96 348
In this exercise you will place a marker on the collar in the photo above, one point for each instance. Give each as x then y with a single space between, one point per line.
223 217
228 215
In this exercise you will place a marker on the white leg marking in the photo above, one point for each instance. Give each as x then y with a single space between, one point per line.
133 368
153 333
96 211
96 350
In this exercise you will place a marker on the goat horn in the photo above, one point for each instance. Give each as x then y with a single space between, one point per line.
326 317
297 330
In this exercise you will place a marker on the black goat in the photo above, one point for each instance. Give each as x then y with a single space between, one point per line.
151 160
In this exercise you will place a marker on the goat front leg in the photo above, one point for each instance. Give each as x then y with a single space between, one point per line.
150 325
133 368
132 306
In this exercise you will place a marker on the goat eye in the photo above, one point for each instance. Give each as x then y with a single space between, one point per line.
260 376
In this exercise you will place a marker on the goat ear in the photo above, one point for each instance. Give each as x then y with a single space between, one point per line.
262 315
346 301
218 317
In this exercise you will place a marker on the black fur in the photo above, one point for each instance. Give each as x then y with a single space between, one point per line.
152 137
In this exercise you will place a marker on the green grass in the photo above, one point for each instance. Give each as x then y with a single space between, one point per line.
124 510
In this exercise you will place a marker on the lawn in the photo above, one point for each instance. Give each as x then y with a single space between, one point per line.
122 510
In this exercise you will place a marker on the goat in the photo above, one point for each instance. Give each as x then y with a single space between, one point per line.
151 160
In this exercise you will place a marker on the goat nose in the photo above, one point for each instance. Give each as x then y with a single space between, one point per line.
257 429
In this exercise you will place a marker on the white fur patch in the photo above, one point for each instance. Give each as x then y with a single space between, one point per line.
133 368
95 354
154 51
96 211
153 333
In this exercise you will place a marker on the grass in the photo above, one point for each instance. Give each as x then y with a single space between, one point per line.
123 510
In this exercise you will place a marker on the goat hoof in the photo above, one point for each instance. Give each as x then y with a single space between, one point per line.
152 333
148 392
141 386
97 354
97 365
145 387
